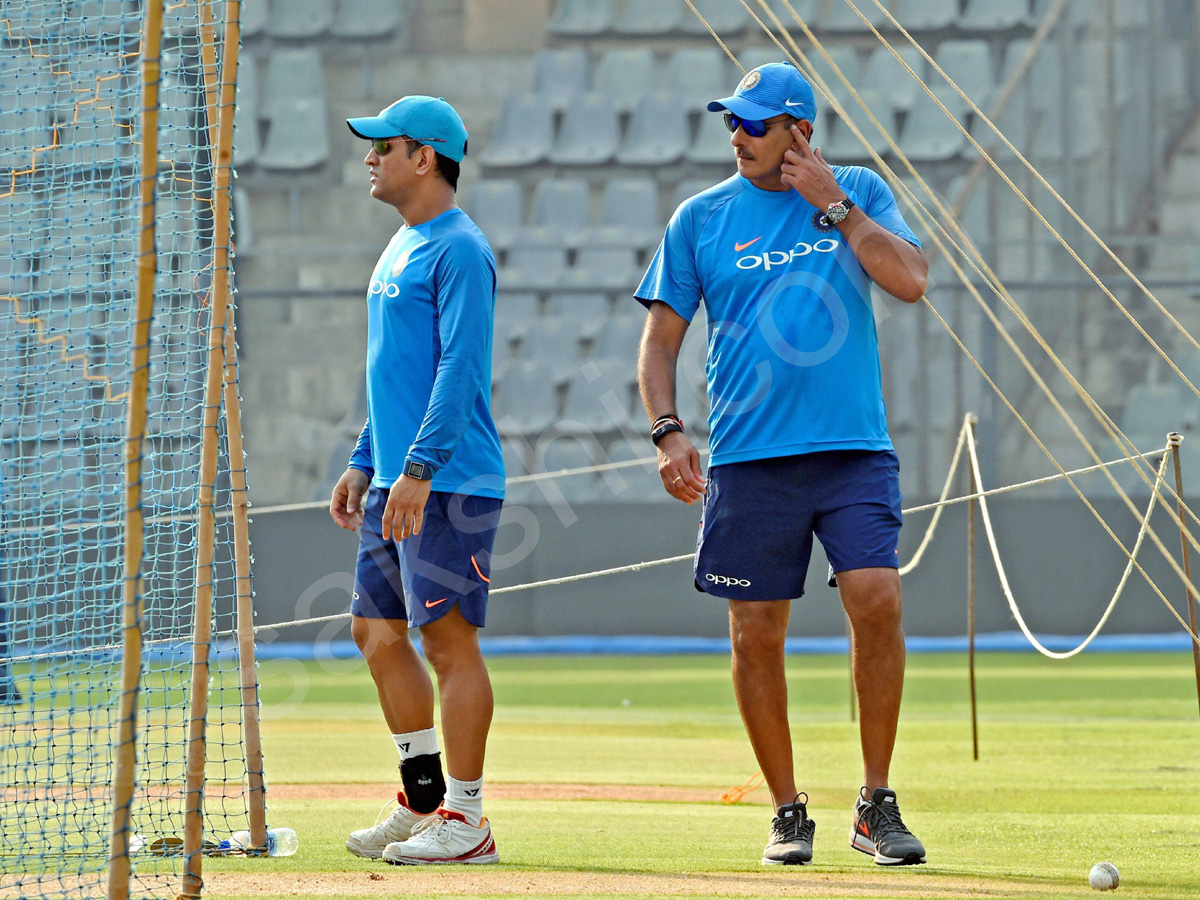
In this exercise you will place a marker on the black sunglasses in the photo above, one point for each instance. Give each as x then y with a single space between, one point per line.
754 127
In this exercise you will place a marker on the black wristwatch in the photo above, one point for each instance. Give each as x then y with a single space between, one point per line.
663 426
418 470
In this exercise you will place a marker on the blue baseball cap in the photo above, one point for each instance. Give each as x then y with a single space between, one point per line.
427 120
770 90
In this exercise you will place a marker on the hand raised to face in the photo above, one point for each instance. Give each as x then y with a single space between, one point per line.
806 172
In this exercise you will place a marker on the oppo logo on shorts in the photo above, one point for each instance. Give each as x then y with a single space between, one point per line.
390 289
775 258
725 579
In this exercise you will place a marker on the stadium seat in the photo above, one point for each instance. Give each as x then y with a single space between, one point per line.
254 17
929 134
623 75
177 129
711 146
969 64
849 63
811 12
300 19
519 306
368 19
620 336
560 214
516 466
841 144
246 145
697 75
527 399
533 268
25 130
883 73
840 17
924 14
560 76
582 18
600 397
651 19
604 268
728 20
494 204
629 215
523 135
553 340
291 73
583 308
756 55
658 132
974 217
994 14
589 133
298 136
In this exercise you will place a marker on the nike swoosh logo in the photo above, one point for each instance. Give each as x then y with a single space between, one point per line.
790 103
738 248
430 604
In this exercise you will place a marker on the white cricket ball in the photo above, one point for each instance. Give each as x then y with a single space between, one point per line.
1104 877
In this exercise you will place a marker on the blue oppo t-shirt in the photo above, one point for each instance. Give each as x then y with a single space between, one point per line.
793 362
430 310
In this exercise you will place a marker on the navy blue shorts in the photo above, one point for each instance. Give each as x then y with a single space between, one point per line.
424 576
760 516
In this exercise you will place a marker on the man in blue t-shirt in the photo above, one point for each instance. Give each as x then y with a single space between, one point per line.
428 462
783 255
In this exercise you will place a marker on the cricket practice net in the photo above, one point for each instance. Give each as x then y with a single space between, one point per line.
75 96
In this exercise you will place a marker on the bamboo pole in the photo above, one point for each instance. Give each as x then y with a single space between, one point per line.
971 608
1175 440
214 378
223 156
125 763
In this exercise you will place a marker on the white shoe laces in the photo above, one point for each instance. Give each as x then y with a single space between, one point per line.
435 828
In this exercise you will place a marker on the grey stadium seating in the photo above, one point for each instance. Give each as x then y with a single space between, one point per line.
561 75
300 19
629 215
524 133
559 215
697 75
589 132
605 268
647 19
925 14
495 206
582 18
624 74
726 19
712 142
368 19
658 133
994 14
533 268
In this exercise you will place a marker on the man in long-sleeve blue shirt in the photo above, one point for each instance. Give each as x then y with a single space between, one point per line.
429 464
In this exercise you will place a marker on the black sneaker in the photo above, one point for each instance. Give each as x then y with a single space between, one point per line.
878 830
791 835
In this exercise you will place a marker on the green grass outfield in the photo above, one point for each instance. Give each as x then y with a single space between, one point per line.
607 773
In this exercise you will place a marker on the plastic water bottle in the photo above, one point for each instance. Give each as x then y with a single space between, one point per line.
280 841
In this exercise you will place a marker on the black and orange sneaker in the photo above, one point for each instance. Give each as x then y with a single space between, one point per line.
791 835
878 830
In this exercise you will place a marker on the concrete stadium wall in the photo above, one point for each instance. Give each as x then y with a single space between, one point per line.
1060 563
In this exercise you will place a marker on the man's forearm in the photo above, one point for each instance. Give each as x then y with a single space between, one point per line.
656 379
890 261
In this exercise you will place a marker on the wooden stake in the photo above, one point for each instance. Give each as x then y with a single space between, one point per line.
1175 440
125 762
218 109
193 834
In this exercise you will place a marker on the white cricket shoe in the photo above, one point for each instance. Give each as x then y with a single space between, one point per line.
369 842
444 837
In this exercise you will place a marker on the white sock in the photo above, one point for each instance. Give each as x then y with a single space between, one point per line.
416 743
465 797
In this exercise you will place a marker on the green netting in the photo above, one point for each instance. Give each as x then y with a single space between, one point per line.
70 113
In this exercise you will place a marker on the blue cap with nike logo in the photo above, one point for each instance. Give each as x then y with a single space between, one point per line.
771 90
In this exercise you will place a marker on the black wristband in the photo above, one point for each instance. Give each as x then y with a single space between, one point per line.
664 427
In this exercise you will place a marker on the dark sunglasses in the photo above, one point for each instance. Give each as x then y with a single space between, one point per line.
383 146
754 127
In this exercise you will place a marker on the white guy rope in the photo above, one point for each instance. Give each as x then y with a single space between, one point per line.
1008 594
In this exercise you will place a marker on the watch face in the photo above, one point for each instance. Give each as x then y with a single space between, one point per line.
836 212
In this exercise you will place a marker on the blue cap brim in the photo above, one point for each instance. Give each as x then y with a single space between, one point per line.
371 128
748 109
